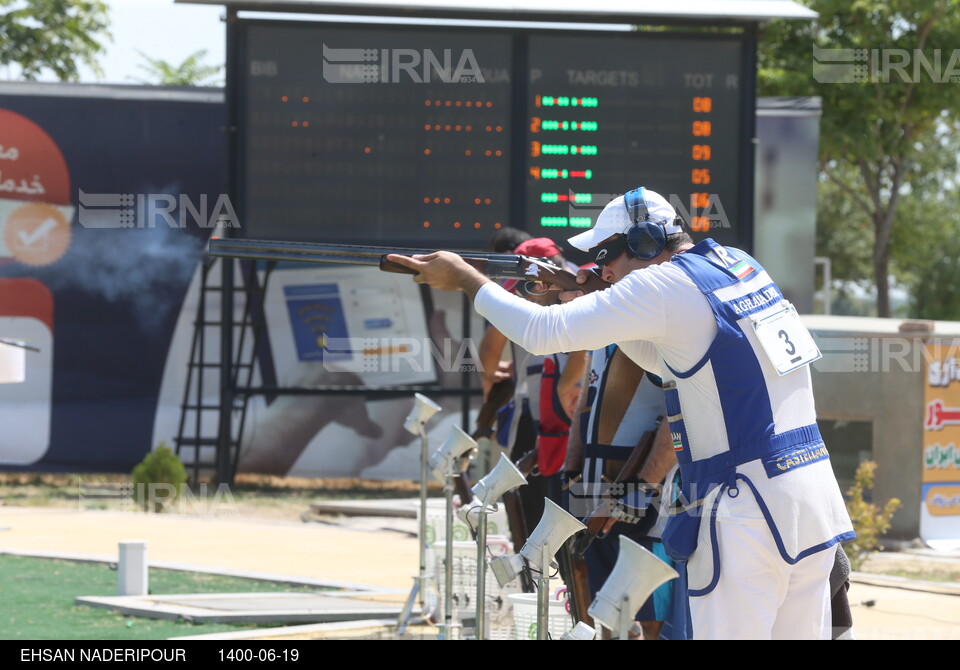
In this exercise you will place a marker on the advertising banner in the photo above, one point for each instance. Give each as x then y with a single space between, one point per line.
940 510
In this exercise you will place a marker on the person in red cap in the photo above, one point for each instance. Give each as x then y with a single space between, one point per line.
547 389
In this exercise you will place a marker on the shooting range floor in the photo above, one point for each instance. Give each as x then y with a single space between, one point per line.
372 559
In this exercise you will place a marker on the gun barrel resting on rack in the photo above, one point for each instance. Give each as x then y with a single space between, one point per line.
495 266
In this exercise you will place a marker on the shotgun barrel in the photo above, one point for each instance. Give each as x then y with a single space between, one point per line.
495 266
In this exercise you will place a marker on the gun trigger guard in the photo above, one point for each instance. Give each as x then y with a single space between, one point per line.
530 291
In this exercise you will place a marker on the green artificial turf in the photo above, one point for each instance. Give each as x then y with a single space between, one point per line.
37 601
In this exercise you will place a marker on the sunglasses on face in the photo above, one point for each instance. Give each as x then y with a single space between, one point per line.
609 251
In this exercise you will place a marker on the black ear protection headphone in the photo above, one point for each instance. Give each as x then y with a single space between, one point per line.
646 239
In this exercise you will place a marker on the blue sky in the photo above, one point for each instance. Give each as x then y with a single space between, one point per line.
164 30
160 29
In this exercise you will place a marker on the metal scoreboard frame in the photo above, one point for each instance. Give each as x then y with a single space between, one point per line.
539 186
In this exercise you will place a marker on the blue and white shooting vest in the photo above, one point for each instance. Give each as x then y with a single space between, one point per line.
736 422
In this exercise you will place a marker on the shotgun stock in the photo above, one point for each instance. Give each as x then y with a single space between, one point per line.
499 395
495 266
573 568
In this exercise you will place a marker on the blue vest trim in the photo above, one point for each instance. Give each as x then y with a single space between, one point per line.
692 371
714 548
717 468
715 281
745 401
791 560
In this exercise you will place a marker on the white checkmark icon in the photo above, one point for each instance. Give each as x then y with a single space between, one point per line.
39 232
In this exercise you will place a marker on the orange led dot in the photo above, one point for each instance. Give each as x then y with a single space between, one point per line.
436 201
489 128
458 128
499 153
294 124
446 201
436 102
487 201
476 201
448 103
479 103
486 153
426 224
426 103
489 104
469 104
476 224
447 127
459 103
426 200
306 123
426 126
283 98
456 224
469 128
496 225
467 152
367 150
499 129
426 152
437 127
306 99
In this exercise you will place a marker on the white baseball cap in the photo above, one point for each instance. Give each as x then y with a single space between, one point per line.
615 219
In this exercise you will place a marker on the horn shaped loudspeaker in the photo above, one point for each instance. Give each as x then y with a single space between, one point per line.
555 528
423 409
636 574
445 460
502 478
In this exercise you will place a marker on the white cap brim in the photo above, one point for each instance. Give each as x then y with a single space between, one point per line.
588 239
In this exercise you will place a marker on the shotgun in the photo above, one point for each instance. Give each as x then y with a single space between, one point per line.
573 569
601 515
499 395
495 266
516 518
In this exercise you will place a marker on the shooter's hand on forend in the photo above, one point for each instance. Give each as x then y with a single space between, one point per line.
443 270
451 271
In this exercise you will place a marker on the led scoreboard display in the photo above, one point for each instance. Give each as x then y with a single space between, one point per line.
409 136
607 114
367 135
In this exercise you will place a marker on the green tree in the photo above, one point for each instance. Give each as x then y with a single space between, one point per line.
56 35
876 132
191 72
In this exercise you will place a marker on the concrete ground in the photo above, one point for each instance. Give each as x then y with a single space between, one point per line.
379 554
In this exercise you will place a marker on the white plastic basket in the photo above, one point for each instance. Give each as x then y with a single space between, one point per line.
525 617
